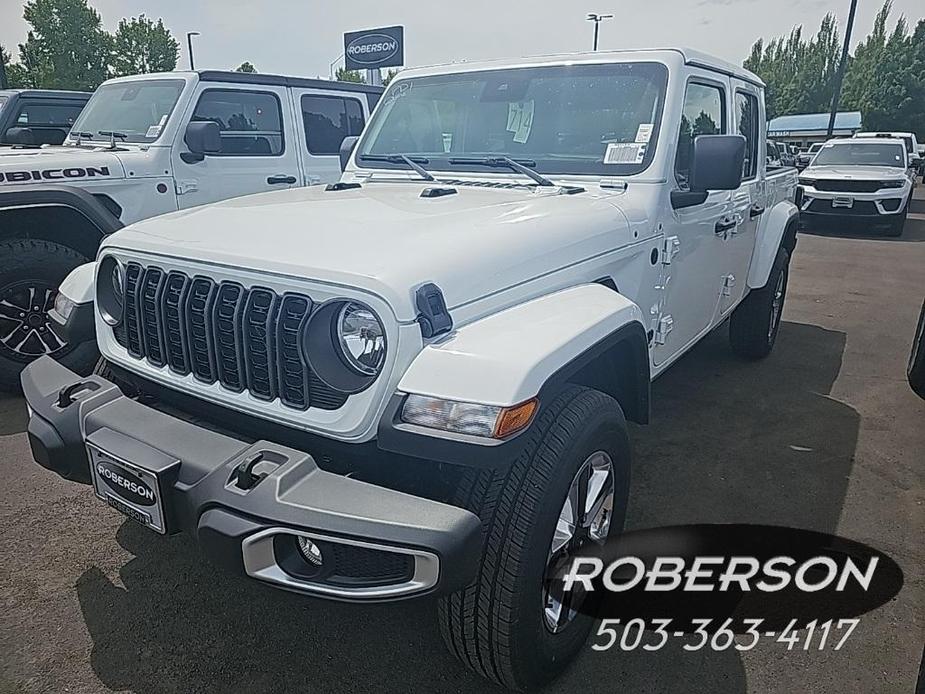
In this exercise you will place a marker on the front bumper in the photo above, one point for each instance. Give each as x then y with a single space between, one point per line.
383 544
882 204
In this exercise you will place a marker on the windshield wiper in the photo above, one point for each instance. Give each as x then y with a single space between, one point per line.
78 135
414 164
112 135
522 166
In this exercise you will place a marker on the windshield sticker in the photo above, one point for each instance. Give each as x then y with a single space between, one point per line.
399 90
625 153
153 131
447 142
644 132
520 120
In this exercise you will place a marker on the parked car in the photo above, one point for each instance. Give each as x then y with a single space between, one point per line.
143 146
851 179
779 154
805 157
916 369
34 117
773 154
417 380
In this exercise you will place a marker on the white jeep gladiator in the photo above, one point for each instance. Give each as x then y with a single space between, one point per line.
859 179
418 380
143 146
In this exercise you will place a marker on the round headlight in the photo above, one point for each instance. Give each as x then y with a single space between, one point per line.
361 338
110 290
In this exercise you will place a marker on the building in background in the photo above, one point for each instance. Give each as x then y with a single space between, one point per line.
806 128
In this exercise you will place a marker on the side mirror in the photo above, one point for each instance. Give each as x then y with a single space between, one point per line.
717 162
346 149
202 138
20 136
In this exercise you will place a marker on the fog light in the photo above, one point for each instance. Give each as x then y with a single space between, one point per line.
310 551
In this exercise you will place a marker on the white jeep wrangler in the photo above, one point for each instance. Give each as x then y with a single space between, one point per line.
145 145
417 380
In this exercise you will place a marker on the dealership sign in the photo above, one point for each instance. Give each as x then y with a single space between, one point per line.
374 48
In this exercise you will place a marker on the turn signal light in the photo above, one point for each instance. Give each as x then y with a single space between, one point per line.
513 419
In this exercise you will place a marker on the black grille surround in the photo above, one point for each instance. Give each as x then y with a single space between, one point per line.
847 186
246 339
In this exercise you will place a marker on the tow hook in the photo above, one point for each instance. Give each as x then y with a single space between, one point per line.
66 395
245 476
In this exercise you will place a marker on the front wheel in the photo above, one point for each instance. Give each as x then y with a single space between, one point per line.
30 272
568 487
896 226
755 322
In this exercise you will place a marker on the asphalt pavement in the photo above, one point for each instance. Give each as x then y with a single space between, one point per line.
825 434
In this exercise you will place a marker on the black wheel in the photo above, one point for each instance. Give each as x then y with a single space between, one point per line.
568 487
30 272
755 322
896 225
916 370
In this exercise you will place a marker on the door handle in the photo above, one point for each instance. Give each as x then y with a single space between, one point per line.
755 211
723 226
281 178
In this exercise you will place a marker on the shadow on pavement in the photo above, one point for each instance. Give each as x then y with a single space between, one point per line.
913 231
731 441
13 415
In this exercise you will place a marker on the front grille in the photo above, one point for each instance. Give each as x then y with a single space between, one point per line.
847 186
859 208
244 339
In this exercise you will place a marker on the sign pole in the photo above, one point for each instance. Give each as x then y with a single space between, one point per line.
374 77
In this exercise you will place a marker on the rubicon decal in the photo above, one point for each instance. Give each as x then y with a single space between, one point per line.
125 484
728 574
53 174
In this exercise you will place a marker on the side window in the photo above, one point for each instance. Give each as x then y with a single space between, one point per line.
746 115
39 114
251 122
703 114
328 120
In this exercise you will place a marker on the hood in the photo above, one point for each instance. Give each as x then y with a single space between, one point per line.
863 173
57 165
387 239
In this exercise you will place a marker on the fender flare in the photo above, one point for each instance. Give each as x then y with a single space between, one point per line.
530 350
72 197
778 228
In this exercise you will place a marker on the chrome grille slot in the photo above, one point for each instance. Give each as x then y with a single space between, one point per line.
174 327
243 338
149 310
293 377
259 354
131 318
226 324
198 310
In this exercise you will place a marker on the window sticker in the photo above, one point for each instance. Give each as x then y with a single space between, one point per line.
401 89
153 131
520 120
625 153
644 132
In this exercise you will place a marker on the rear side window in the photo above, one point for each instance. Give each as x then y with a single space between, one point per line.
746 115
328 120
251 122
37 115
703 114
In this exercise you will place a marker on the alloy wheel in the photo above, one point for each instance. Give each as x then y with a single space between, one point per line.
25 328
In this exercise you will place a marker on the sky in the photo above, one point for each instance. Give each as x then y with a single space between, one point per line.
301 37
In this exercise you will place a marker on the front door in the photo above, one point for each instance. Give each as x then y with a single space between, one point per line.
259 146
695 234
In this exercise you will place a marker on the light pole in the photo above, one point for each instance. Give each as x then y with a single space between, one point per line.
597 19
189 44
840 74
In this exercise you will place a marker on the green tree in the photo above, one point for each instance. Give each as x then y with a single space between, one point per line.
67 47
345 75
141 45
389 76
246 67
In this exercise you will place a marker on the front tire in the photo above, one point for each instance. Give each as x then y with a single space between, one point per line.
505 625
30 272
916 370
896 225
755 322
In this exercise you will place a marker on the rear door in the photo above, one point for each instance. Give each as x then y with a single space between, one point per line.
259 144
50 120
750 200
325 119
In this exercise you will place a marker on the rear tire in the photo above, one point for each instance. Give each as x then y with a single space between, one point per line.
755 322
30 272
499 625
916 370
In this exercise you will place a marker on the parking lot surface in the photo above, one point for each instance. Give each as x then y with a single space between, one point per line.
825 434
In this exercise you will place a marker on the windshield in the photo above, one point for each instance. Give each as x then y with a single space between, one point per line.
579 119
138 110
861 154
815 148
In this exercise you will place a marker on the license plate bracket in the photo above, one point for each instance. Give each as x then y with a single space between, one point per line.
132 477
843 201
